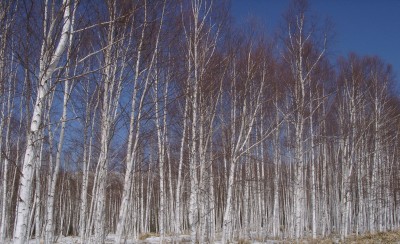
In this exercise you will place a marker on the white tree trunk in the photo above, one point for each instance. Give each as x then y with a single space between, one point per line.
133 143
5 192
45 73
49 235
178 199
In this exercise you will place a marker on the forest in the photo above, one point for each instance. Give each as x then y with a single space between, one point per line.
129 117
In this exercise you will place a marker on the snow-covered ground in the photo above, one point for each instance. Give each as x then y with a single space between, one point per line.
111 239
150 240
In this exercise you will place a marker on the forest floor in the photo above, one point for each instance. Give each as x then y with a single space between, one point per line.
377 238
380 237
152 238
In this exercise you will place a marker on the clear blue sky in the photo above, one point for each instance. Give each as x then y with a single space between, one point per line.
366 27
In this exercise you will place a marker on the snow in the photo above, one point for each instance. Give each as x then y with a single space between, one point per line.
150 240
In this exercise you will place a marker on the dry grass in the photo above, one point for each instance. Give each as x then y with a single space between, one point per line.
376 238
243 241
144 236
309 241
380 237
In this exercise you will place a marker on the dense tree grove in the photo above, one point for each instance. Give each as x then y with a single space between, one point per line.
137 116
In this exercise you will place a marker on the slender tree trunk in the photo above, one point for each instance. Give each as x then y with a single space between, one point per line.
45 73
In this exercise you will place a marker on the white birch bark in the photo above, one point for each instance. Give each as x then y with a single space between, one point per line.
6 21
200 44
49 229
193 158
134 142
84 228
45 73
112 86
37 198
54 175
6 115
161 145
276 213
313 169
247 113
301 69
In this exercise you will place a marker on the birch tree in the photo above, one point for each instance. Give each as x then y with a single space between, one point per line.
50 57
111 91
246 92
161 116
8 82
139 94
54 175
300 37
200 40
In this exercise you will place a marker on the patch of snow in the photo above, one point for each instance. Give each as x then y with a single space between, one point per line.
150 240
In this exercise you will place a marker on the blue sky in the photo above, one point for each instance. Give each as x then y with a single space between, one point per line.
366 27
